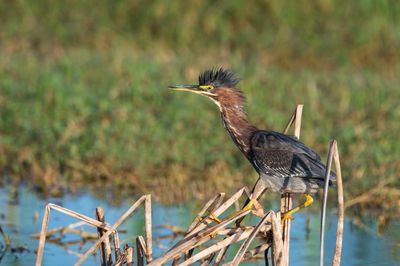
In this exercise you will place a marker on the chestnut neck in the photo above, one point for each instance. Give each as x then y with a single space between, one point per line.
239 128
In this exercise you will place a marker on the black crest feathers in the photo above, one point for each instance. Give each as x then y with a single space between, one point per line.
218 77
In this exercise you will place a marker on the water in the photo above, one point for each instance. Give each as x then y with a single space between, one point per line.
18 208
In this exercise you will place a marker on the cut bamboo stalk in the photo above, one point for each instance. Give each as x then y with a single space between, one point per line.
339 230
324 201
239 255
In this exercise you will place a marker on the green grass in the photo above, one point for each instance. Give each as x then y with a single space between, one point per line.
84 99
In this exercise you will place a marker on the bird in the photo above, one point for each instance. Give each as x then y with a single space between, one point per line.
284 164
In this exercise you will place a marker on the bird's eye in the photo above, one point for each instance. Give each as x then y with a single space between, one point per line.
207 87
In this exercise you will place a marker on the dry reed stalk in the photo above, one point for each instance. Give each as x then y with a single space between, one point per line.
45 222
126 257
129 256
113 229
333 156
117 249
257 250
105 249
140 250
193 241
148 229
246 244
215 202
286 199
238 236
217 212
339 230
79 216
209 207
278 256
324 201
221 255
207 261
42 239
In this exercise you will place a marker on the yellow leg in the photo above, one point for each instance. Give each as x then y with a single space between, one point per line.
249 206
288 215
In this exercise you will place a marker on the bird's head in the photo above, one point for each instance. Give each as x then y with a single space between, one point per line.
219 85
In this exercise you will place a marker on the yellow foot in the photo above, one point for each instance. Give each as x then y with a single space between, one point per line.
286 216
214 218
211 217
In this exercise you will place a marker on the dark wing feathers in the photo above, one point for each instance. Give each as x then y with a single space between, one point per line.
277 154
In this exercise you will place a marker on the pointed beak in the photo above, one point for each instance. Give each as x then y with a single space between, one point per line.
190 88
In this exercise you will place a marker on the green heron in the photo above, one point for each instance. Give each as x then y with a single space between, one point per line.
284 163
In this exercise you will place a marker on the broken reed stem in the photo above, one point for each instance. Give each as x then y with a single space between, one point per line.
216 201
114 227
240 235
194 241
148 225
239 255
324 201
278 253
140 250
257 250
103 253
117 249
129 256
339 230
286 199
43 232
45 222
221 255
217 212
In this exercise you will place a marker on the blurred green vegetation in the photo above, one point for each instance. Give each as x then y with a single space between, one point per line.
83 98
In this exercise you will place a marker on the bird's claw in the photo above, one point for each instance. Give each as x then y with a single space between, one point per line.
211 217
286 216
214 218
